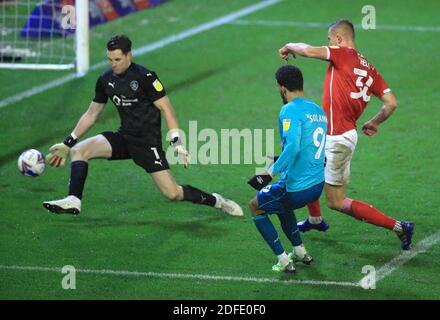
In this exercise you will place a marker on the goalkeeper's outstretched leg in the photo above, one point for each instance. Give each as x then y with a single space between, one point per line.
112 146
96 147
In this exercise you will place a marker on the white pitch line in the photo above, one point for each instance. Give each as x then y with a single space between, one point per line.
384 271
186 276
403 258
284 23
148 48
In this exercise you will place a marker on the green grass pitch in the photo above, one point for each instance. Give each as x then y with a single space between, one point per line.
223 78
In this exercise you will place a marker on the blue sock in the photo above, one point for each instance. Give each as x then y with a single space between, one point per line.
267 230
288 224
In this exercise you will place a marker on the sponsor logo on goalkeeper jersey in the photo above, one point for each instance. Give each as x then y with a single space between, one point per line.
123 101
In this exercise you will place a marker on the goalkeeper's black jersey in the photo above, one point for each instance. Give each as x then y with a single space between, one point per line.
133 94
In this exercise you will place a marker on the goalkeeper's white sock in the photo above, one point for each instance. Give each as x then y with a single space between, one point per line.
75 200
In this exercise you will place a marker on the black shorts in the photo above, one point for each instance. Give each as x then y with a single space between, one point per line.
151 158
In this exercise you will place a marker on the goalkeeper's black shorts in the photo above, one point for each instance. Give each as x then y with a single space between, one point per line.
151 158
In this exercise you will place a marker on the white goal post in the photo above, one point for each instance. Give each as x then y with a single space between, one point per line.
82 37
47 48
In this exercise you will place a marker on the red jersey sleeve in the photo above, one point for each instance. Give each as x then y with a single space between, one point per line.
379 87
337 55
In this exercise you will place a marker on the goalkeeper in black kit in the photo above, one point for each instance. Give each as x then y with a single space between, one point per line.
140 99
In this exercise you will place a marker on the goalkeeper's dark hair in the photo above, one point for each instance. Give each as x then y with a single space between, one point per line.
290 77
121 42
345 25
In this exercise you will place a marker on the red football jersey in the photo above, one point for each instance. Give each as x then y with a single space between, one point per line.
348 86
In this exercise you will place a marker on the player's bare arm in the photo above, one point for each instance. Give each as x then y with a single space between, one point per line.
88 119
371 127
58 152
304 50
167 110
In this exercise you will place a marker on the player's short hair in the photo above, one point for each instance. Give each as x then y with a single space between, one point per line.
344 25
119 42
290 77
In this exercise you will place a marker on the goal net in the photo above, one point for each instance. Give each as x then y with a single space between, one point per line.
48 34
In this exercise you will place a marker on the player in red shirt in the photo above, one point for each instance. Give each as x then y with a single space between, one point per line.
349 84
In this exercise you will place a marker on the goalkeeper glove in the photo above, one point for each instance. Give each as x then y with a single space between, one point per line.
259 181
58 152
176 143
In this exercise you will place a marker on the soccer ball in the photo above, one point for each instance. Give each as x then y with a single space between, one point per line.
31 163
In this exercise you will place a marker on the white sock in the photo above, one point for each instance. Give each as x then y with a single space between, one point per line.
315 220
398 227
218 202
283 258
300 251
74 199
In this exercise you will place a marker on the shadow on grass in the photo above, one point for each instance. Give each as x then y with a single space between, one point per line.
380 255
200 228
